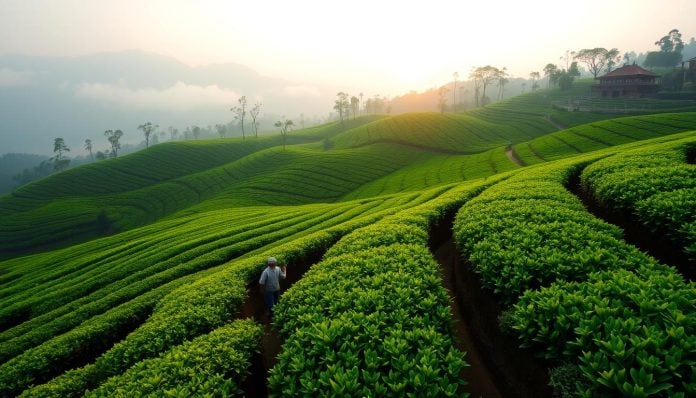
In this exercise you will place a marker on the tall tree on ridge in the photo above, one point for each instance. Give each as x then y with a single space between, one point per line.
485 75
535 76
60 161
254 113
502 79
549 71
88 147
114 136
284 128
147 128
341 104
240 112
476 77
354 105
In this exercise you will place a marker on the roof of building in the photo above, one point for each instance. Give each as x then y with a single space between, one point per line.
629 70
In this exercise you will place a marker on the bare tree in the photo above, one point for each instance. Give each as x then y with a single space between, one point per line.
147 128
284 126
594 58
88 147
240 112
254 113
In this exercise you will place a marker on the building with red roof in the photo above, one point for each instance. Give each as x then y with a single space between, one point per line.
627 81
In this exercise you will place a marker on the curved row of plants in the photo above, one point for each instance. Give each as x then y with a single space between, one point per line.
655 186
272 176
602 134
373 317
213 364
460 133
437 170
612 319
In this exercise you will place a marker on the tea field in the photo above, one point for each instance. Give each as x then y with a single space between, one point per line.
136 276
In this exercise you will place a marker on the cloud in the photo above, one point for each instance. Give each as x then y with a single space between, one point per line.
179 97
9 77
301 91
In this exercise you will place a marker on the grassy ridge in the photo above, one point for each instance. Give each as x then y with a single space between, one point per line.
437 170
450 133
273 176
602 134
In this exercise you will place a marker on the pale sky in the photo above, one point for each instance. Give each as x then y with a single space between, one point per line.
386 47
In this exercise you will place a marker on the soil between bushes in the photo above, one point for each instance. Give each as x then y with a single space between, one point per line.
498 367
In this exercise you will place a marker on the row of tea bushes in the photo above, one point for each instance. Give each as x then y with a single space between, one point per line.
372 318
213 364
625 322
654 185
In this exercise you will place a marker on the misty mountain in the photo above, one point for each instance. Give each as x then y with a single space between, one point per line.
80 97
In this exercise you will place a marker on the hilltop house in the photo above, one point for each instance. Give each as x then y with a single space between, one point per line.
627 81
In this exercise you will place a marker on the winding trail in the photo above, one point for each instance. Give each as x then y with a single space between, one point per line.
254 307
513 156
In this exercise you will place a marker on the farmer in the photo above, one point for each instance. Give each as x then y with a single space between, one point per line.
270 283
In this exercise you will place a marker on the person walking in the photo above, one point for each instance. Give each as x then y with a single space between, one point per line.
270 283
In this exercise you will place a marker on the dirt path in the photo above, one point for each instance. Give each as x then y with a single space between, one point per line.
271 342
480 379
499 368
513 156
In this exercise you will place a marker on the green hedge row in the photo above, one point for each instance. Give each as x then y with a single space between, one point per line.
213 364
373 318
625 322
655 185
529 231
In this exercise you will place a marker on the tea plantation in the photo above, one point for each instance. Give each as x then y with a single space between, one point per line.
134 276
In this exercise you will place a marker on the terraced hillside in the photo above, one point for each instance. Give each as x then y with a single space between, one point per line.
165 302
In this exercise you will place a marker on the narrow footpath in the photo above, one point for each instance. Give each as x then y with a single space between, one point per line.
498 367
255 307
512 156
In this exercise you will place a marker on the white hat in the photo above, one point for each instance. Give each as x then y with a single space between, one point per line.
271 260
